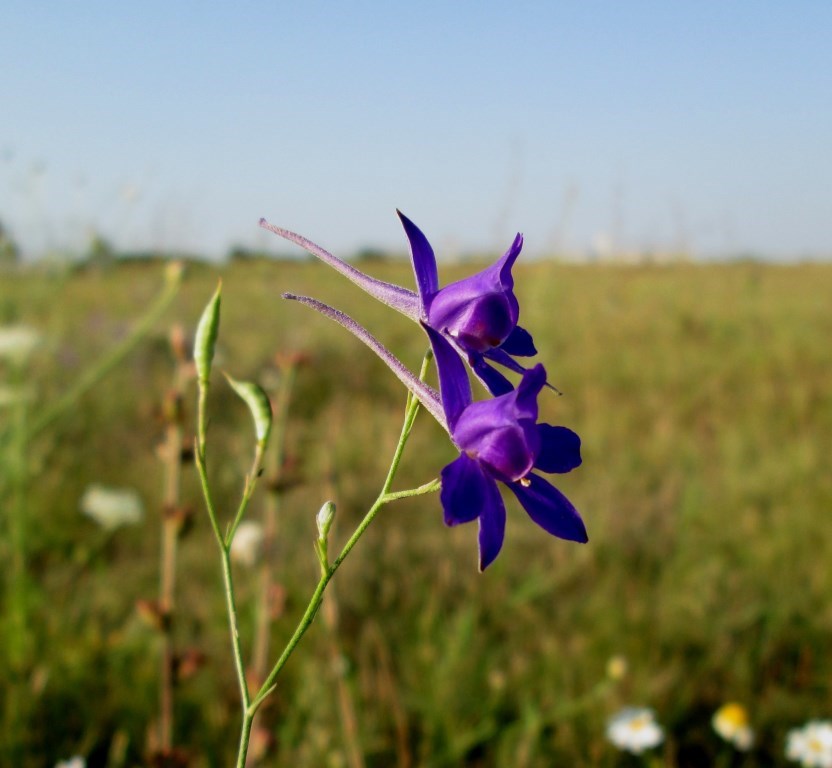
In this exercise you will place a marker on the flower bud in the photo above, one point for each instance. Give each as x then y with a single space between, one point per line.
324 520
206 337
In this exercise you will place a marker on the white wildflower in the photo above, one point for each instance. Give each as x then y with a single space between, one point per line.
635 729
17 342
811 746
247 545
730 721
74 762
112 507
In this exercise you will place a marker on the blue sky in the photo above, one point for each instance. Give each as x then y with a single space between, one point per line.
637 125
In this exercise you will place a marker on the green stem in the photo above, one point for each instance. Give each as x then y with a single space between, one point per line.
384 497
248 490
199 459
234 627
109 361
224 543
328 572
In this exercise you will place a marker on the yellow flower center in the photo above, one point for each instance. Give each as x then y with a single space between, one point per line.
734 715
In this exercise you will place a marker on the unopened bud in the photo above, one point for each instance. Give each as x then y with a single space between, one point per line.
324 520
206 337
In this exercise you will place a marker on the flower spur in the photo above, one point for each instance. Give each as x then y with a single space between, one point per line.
478 314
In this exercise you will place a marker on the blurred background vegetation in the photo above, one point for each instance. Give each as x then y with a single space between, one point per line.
702 393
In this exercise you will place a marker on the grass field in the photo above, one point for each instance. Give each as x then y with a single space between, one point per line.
703 395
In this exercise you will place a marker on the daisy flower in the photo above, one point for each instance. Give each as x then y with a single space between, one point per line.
635 729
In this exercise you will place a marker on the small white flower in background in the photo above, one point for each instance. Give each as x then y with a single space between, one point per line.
248 543
730 722
811 745
10 396
73 762
17 342
112 507
635 729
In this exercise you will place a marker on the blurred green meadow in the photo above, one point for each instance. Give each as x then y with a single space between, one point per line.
703 396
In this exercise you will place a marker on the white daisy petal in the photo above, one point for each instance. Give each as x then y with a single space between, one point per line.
635 729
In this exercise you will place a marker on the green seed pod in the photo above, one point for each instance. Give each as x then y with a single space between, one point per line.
206 337
258 403
324 520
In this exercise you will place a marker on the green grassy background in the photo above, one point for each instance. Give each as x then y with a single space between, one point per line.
703 395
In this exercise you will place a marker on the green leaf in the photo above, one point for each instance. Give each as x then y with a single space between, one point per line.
258 403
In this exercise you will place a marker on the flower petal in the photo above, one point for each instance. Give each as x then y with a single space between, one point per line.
400 299
427 395
454 387
550 509
469 493
519 343
560 449
501 433
494 381
500 356
492 525
534 379
477 319
479 311
465 491
505 264
424 262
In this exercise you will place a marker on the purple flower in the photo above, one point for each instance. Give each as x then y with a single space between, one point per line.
478 314
498 439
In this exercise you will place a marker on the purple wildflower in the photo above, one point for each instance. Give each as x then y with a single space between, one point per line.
478 314
499 440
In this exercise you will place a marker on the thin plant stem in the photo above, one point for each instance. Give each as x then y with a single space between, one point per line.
171 529
315 603
234 627
224 542
274 467
384 497
250 705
